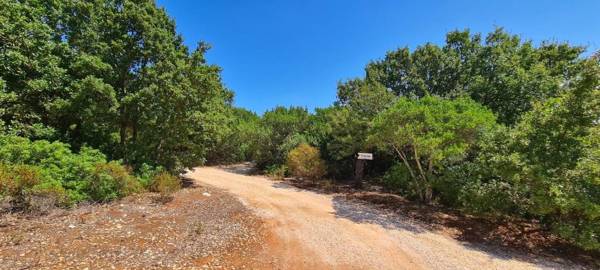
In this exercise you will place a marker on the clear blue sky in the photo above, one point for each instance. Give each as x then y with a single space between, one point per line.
294 52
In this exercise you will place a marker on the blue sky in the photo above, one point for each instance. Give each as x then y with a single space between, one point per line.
295 52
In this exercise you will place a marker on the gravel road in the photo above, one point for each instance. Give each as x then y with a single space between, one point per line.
309 230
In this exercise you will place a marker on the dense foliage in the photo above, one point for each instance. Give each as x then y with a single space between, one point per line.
428 134
281 129
36 168
547 165
502 72
76 76
113 75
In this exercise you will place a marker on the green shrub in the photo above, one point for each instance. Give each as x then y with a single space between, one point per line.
165 184
16 181
305 161
24 187
579 200
111 181
281 130
428 134
6 180
397 179
64 177
45 196
277 172
146 174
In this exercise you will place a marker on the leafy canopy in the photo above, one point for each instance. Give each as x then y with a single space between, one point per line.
428 133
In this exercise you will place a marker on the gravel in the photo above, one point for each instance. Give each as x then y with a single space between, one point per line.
193 231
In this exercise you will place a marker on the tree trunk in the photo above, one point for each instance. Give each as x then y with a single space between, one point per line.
427 192
412 174
359 171
123 134
405 161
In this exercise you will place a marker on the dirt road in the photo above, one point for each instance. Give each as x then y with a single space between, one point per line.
317 231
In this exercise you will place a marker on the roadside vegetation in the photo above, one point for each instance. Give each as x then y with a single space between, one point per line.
101 99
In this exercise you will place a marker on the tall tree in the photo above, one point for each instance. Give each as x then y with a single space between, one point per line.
113 74
502 72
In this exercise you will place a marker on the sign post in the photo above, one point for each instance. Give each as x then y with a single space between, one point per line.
359 167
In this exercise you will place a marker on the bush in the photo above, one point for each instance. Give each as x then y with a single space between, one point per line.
16 182
146 174
397 179
428 134
23 187
52 171
281 130
111 181
165 184
277 172
305 161
45 196
12 183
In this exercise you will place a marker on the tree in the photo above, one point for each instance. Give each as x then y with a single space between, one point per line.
114 75
348 120
428 133
502 72
557 143
546 166
281 127
32 69
238 140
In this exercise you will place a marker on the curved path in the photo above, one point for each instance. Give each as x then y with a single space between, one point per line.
316 231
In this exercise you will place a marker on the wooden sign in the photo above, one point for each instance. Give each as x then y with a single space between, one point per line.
366 156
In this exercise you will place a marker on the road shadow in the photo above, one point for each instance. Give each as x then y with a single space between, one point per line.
246 168
284 185
499 239
362 213
187 182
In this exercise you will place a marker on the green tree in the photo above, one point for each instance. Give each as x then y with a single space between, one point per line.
347 123
239 138
32 69
114 75
546 166
429 133
558 146
281 128
501 71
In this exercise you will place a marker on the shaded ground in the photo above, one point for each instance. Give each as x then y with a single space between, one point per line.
200 228
518 235
311 230
525 236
